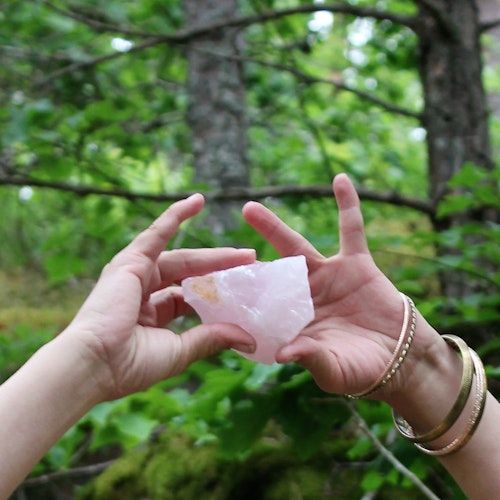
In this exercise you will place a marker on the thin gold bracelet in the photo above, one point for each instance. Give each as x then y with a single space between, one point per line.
405 428
476 414
402 347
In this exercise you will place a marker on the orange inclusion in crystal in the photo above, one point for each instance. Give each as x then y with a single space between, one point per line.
205 287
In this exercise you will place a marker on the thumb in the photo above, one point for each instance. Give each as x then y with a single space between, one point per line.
207 339
323 366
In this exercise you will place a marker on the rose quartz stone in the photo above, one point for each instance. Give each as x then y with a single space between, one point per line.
270 300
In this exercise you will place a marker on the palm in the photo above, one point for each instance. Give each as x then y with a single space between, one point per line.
354 332
122 320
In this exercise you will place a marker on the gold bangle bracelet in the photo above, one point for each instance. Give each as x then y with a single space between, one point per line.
402 347
406 430
474 419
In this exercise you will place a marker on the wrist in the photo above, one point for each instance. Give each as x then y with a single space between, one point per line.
90 370
426 387
57 386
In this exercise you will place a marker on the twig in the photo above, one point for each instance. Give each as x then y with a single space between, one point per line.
308 79
390 456
87 470
486 277
488 25
185 35
94 61
96 25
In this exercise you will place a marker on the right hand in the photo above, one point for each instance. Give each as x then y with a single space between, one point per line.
358 311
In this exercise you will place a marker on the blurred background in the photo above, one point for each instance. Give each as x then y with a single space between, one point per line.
110 110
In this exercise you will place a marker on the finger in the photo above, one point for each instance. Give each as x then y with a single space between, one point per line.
205 340
313 357
169 304
162 354
153 239
351 228
286 241
176 265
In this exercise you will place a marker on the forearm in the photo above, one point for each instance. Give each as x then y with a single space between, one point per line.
432 387
39 403
476 466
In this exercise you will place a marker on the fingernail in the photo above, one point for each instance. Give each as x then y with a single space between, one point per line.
248 348
249 250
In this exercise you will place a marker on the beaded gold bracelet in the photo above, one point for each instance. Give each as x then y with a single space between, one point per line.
481 390
406 430
404 342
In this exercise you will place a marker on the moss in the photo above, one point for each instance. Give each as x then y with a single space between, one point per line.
179 470
174 468
122 480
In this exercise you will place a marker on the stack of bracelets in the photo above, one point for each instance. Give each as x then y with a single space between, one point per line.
472 370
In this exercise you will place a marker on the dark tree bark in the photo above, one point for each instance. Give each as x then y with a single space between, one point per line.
455 114
216 111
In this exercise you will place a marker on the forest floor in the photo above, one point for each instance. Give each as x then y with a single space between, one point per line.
32 311
29 299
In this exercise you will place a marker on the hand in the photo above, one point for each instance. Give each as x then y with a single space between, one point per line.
121 321
358 311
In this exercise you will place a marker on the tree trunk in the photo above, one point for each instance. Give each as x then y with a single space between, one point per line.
216 110
490 10
455 114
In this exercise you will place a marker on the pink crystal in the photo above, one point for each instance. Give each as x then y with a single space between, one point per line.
270 300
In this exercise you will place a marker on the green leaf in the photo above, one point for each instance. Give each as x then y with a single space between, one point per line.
217 385
308 418
138 427
244 424
61 266
372 480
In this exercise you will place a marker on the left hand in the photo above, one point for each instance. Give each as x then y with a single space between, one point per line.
121 322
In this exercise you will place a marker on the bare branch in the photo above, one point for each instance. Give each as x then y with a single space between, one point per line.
488 25
96 25
346 9
87 470
77 65
183 36
390 456
243 21
308 79
228 194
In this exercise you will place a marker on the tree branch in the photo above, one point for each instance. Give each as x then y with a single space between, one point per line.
228 194
308 79
183 36
94 61
243 21
346 9
87 470
440 14
488 25
96 25
390 456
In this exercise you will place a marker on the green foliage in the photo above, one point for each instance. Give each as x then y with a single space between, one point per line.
118 123
472 188
468 249
115 121
17 346
176 467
